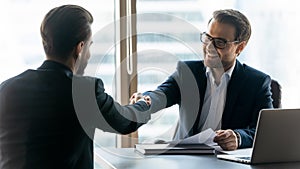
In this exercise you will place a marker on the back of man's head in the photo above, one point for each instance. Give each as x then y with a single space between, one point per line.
63 28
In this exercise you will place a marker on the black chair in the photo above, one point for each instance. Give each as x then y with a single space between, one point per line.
276 94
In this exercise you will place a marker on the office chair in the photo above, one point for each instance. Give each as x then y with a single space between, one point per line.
276 94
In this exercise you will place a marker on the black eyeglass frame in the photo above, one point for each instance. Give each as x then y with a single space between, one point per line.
215 40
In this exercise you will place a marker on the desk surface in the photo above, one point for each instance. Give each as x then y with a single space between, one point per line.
127 158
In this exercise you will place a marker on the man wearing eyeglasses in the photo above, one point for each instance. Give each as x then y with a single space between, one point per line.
217 92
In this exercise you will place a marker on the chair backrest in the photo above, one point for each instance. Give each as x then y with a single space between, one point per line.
276 93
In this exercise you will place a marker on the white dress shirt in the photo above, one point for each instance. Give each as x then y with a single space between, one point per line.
214 100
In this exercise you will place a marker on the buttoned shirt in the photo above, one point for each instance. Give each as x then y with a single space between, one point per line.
214 100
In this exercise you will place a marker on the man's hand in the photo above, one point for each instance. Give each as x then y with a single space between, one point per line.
137 96
226 139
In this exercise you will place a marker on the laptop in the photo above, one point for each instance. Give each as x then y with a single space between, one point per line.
276 139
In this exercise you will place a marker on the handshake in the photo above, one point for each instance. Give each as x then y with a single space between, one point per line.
139 97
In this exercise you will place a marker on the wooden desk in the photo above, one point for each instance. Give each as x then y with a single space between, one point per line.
127 158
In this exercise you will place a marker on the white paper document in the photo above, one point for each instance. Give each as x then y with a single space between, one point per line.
205 137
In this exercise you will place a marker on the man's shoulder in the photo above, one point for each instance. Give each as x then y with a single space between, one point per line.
196 66
253 72
87 78
87 81
15 79
192 63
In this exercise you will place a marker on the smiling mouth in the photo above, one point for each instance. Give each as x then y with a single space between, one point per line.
212 56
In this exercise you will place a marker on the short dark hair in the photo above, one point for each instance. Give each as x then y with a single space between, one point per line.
63 28
236 19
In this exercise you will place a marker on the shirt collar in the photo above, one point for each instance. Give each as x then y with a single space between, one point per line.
228 72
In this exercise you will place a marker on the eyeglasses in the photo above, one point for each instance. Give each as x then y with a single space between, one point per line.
219 43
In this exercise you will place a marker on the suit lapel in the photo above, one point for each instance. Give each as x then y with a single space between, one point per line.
234 86
202 83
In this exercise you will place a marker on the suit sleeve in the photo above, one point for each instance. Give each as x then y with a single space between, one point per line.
168 93
97 109
180 88
123 119
263 101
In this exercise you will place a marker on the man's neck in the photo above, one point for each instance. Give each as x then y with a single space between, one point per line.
218 72
69 63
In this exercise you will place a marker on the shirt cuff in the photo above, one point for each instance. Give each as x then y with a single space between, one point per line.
238 138
142 99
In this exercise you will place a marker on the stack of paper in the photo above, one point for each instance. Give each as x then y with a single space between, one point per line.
154 149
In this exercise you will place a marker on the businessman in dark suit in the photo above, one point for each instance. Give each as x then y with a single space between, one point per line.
44 121
218 92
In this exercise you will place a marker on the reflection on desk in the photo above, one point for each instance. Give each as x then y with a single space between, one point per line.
126 158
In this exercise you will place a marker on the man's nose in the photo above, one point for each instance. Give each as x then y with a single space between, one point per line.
210 47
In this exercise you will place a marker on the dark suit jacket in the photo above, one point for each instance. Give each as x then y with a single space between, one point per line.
248 92
41 125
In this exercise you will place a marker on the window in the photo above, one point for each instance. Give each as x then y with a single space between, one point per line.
165 36
271 49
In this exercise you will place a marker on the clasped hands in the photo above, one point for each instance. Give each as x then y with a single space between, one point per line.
139 96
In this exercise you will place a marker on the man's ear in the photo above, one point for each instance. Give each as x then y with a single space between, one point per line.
240 48
79 48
